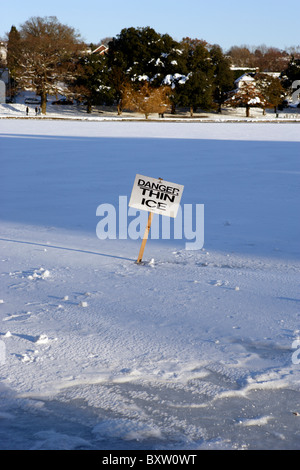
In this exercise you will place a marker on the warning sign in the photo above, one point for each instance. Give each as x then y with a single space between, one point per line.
156 196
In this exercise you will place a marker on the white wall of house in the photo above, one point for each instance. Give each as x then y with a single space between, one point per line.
2 92
244 80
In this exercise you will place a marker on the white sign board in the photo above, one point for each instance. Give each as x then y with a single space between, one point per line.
156 195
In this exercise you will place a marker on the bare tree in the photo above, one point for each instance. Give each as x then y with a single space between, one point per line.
266 59
46 60
241 56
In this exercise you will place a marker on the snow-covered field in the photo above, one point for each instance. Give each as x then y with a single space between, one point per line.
195 350
104 113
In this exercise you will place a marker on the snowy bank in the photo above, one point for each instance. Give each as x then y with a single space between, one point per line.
103 113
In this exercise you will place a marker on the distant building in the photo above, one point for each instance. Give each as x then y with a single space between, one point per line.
2 92
243 69
244 80
273 74
101 50
247 78
4 75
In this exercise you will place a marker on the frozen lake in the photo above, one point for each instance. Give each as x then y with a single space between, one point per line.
197 349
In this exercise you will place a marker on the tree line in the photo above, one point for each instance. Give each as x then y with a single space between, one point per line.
142 69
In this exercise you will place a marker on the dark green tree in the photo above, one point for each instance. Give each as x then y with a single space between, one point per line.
223 76
89 84
13 56
197 90
141 51
137 55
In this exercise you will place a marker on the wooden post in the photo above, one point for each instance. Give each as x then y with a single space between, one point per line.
140 257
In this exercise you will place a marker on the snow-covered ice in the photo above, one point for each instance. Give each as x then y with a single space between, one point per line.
194 349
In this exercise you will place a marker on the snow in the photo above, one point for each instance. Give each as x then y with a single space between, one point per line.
176 78
193 349
159 62
255 100
142 77
103 113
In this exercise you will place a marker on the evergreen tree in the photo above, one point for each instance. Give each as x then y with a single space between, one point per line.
197 90
137 55
13 56
223 76
141 52
88 84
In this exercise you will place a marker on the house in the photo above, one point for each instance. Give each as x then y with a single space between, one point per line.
5 75
2 92
245 79
101 50
273 74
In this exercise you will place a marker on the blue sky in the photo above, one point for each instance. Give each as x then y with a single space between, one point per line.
227 23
